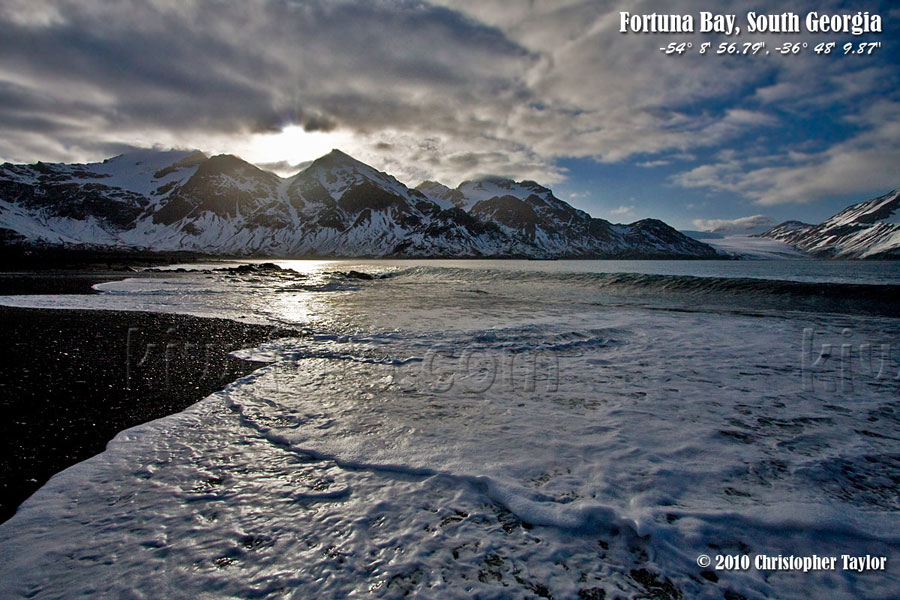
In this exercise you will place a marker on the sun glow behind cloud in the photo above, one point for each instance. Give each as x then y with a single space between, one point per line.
289 147
284 152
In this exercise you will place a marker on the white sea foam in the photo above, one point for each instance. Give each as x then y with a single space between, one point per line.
480 431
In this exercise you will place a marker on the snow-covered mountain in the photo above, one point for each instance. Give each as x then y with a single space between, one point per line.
529 212
869 229
337 206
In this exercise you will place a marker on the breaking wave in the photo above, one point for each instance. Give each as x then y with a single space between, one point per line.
874 299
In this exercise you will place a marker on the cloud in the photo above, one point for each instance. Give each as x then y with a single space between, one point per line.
283 167
194 73
622 210
31 13
444 89
741 226
866 162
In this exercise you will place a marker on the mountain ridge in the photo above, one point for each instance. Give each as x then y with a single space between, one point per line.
337 206
866 230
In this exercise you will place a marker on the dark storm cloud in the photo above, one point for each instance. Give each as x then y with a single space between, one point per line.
160 71
236 67
469 87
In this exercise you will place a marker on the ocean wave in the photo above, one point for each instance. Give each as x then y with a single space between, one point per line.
878 299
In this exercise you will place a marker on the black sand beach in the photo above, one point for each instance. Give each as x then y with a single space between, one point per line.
70 380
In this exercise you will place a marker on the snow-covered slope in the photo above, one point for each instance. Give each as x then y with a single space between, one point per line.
866 230
527 211
337 206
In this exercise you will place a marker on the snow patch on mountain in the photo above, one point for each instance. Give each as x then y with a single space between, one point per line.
866 230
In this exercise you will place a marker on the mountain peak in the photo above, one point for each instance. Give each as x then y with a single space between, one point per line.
337 158
487 180
441 195
493 179
492 186
501 182
430 185
144 155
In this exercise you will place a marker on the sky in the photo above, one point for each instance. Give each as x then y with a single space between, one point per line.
449 90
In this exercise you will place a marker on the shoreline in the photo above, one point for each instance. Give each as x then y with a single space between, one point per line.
56 282
71 380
